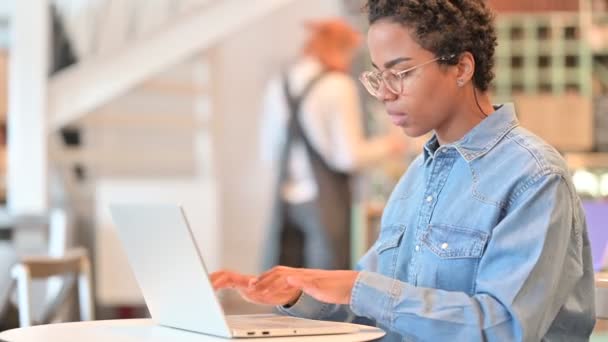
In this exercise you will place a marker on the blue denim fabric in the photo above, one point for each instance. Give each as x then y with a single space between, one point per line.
483 239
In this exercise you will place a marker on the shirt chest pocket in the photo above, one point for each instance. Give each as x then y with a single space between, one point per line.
387 248
451 257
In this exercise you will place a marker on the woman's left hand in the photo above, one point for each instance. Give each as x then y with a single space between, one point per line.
327 286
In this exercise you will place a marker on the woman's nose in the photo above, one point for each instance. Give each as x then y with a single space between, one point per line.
385 94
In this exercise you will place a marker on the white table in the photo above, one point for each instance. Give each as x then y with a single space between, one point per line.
145 330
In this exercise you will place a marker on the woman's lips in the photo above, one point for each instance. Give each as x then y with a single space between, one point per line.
398 119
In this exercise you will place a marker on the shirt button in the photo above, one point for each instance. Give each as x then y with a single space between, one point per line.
429 199
417 248
444 245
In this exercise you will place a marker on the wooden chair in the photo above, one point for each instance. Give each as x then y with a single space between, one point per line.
75 262
8 258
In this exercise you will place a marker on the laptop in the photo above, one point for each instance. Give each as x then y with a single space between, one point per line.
175 284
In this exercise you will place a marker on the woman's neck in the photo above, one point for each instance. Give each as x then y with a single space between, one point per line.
465 117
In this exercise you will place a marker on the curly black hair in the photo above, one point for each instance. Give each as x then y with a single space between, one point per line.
446 27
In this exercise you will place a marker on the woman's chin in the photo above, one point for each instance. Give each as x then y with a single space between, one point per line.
413 131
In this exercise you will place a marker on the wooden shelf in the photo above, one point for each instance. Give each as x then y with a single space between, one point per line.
541 52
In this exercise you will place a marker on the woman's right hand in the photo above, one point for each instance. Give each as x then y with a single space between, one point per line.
282 293
228 279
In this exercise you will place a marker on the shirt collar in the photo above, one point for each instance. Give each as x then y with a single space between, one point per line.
483 137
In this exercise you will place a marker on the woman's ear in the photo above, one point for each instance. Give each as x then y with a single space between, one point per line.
466 68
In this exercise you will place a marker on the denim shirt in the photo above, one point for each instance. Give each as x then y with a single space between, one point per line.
483 239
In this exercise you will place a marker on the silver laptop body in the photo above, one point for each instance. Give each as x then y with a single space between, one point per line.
174 282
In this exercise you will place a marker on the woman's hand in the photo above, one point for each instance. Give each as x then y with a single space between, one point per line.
227 279
327 286
232 280
281 295
283 285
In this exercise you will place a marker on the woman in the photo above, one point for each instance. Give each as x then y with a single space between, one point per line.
312 133
484 237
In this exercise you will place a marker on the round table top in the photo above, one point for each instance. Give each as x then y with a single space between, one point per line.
138 330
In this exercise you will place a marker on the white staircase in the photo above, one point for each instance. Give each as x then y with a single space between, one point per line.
147 130
150 144
82 88
151 130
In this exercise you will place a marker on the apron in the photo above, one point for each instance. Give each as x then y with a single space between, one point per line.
333 201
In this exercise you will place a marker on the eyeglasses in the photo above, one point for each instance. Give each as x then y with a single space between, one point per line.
395 81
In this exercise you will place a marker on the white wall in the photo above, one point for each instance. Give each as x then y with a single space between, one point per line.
242 65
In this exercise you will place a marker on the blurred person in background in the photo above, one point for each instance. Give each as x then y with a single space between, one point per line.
312 131
484 237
